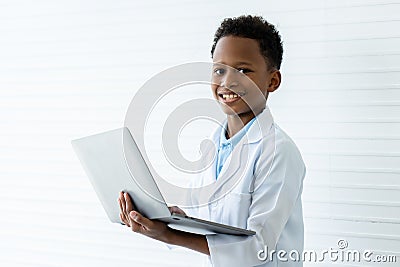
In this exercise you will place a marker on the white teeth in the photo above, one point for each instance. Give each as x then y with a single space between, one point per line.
230 96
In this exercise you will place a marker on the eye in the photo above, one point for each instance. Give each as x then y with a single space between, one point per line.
243 70
219 71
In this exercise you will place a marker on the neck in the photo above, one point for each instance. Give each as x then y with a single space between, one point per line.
237 122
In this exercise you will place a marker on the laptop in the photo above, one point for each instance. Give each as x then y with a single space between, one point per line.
103 156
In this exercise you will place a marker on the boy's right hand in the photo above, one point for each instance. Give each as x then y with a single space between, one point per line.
175 209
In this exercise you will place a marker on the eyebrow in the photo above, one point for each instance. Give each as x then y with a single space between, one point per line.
236 63
243 63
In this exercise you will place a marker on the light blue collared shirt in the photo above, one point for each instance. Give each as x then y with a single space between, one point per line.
226 146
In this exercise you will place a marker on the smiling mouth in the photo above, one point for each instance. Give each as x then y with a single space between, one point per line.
229 97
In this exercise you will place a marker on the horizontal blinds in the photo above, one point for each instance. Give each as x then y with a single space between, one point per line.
70 68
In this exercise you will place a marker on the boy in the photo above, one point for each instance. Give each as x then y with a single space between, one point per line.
267 198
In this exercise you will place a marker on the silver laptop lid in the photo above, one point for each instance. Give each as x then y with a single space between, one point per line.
103 158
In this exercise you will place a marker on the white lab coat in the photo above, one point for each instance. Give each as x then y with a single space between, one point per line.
259 188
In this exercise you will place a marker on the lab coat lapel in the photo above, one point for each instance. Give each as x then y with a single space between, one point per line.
235 167
210 164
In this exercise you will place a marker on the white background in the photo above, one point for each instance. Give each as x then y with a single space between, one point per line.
70 68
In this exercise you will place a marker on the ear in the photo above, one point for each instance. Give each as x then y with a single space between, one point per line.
275 81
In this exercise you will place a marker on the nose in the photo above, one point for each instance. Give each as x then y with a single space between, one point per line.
230 79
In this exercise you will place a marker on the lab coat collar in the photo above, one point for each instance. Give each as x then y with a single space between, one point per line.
260 128
257 130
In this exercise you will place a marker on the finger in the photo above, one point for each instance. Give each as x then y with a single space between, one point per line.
121 196
129 206
122 206
175 209
123 219
140 219
121 214
125 201
124 215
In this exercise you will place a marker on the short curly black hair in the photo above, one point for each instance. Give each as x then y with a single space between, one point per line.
257 28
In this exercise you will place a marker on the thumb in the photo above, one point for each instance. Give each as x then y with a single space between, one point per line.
175 209
139 218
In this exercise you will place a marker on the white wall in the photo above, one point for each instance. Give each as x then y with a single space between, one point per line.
70 68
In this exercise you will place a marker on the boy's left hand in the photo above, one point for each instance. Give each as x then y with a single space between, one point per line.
140 224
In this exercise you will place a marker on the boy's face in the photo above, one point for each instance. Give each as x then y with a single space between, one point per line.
241 79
